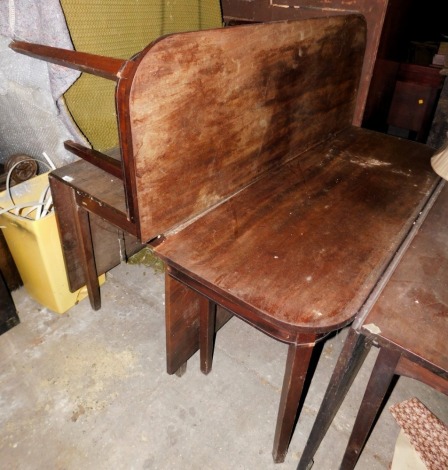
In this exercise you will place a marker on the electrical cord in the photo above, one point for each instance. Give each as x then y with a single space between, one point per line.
42 207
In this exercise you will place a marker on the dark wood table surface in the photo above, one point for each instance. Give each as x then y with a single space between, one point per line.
304 246
412 311
408 322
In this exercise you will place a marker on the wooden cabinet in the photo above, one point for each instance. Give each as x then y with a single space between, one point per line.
414 101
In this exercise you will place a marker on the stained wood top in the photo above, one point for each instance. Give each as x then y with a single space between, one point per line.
412 311
211 111
102 187
304 246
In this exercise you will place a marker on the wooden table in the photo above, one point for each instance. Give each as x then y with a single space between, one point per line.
109 242
241 165
298 253
408 323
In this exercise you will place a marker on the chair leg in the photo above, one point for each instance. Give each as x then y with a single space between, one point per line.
379 382
352 356
206 333
87 257
297 363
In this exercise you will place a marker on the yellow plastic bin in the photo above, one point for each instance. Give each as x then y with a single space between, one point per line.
36 248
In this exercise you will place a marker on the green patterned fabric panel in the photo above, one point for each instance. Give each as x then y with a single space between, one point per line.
120 28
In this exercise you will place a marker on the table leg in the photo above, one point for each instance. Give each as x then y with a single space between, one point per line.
207 333
87 257
352 356
64 200
182 315
182 312
297 363
379 382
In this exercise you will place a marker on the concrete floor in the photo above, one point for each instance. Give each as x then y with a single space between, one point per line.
88 390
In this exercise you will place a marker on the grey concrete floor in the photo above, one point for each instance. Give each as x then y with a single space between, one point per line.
88 390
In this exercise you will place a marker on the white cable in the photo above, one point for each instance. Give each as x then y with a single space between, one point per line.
29 211
20 206
8 176
36 205
49 161
47 206
42 202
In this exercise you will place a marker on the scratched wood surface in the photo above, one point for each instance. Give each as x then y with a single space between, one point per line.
374 12
412 311
99 185
212 111
304 246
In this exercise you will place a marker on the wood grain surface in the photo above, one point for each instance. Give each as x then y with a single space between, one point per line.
304 246
212 111
412 311
108 192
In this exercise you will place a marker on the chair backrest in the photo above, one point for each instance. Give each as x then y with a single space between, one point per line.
207 113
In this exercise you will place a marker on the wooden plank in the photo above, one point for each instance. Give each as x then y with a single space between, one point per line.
182 322
212 111
411 106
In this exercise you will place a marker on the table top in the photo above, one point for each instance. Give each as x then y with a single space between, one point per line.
304 246
412 311
101 186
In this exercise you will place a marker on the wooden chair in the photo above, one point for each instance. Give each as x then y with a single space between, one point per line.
242 168
408 323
